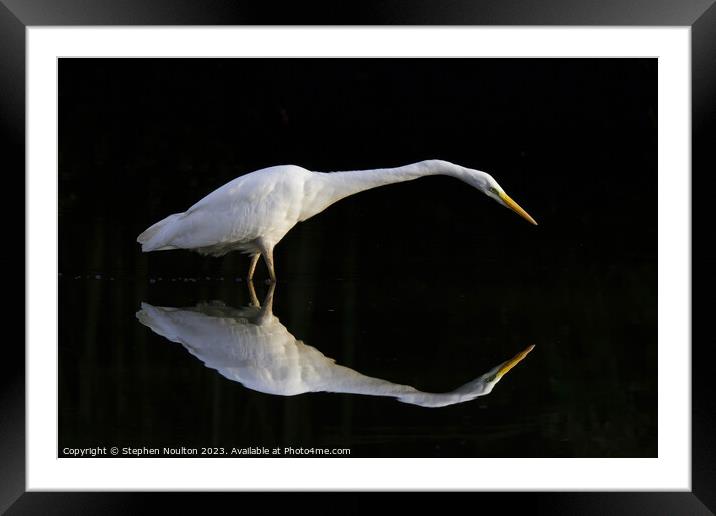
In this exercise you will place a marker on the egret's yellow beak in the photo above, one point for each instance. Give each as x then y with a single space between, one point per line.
516 208
512 362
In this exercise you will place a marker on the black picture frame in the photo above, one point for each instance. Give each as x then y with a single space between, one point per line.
699 15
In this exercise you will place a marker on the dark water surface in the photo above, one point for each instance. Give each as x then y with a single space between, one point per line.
428 284
583 391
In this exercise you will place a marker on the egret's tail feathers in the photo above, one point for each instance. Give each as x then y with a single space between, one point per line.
158 319
158 236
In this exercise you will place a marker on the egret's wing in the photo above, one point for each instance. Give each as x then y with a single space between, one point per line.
263 204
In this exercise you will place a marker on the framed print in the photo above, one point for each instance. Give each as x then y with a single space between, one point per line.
392 256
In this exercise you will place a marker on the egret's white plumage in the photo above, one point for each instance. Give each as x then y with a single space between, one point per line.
250 345
254 212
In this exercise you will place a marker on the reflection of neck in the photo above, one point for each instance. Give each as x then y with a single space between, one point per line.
340 379
334 186
324 375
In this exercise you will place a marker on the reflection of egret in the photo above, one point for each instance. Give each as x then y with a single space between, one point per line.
251 346
253 212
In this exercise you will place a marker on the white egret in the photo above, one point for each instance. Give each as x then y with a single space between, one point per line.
254 212
250 346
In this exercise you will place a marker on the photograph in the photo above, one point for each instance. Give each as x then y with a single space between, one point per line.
357 257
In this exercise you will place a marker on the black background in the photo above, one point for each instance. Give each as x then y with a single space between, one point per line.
427 283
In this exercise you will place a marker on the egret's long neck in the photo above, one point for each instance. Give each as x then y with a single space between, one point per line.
329 187
337 378
340 379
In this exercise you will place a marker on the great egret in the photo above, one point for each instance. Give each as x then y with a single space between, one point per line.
250 345
254 212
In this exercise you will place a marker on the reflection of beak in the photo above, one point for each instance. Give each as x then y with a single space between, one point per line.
516 207
512 362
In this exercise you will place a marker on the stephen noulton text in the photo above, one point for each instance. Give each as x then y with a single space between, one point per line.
210 451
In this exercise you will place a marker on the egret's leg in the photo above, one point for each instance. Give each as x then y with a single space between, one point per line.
266 312
268 258
252 294
267 309
268 300
252 266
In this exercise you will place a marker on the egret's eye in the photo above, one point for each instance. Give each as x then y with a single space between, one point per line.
493 190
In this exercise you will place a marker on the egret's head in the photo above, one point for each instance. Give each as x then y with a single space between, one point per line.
493 376
485 383
491 188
